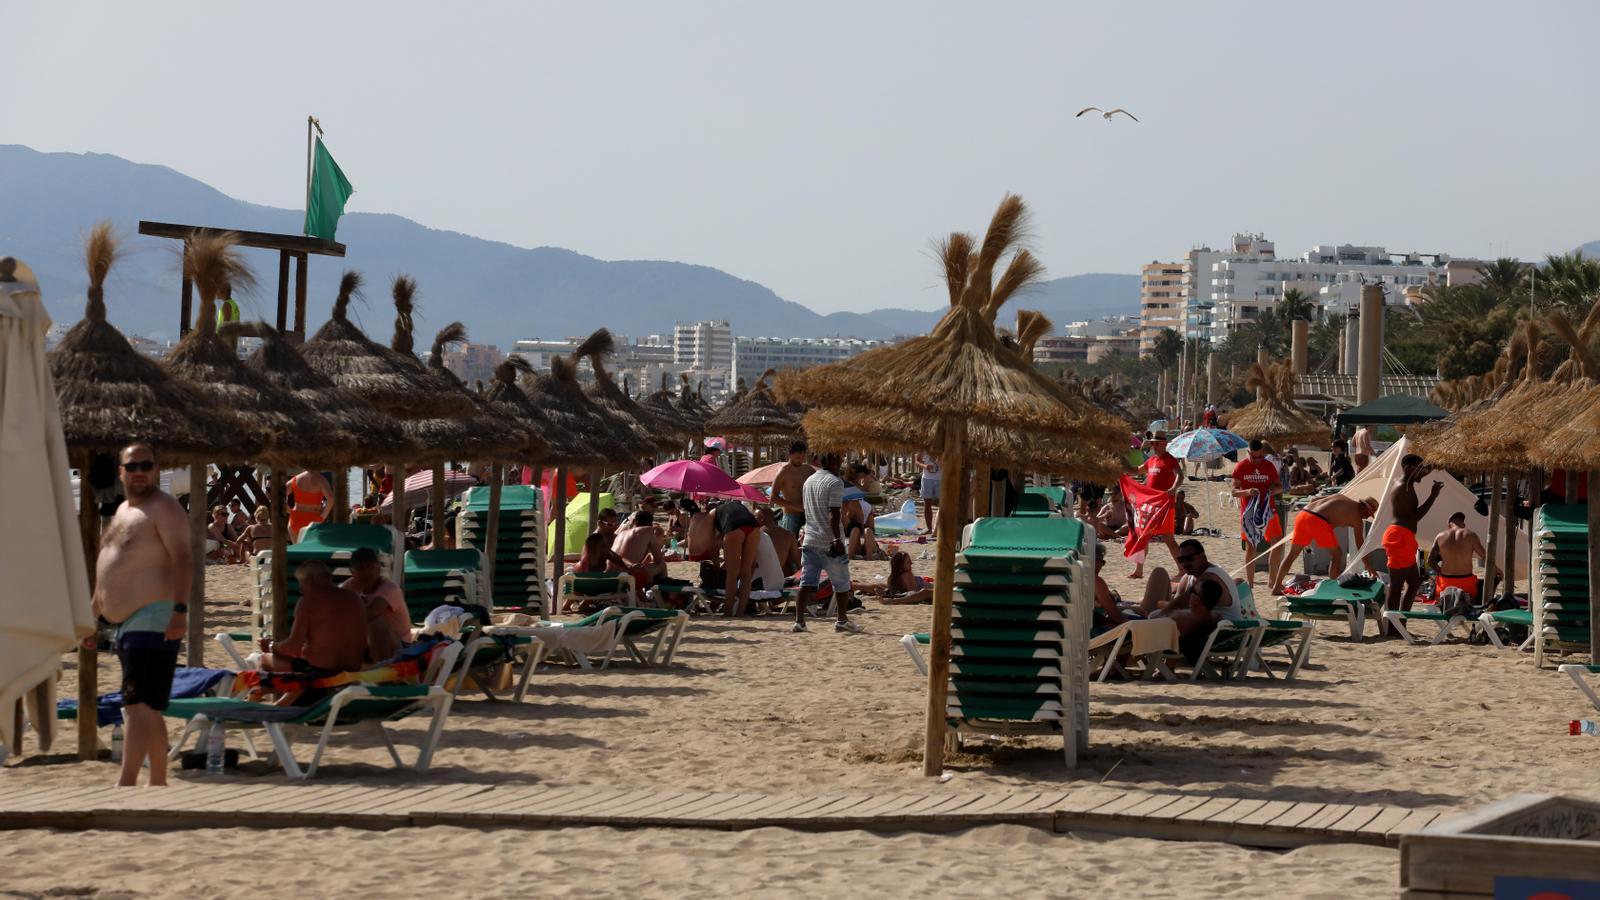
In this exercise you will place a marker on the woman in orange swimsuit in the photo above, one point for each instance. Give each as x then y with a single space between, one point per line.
310 499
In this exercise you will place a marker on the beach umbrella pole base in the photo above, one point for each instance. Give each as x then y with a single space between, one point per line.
88 657
199 513
280 558
944 575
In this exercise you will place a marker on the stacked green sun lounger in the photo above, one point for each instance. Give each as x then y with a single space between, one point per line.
1560 580
519 547
438 577
1055 494
1019 660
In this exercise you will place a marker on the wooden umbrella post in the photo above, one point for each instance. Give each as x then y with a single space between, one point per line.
280 558
595 475
1489 581
982 489
1594 570
402 518
558 552
951 462
1511 536
491 539
341 495
88 657
436 503
198 514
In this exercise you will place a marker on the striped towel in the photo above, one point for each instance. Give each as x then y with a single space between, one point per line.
1258 514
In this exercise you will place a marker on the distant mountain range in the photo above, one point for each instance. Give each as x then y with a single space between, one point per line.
502 292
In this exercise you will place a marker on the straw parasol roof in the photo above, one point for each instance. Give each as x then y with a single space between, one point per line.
563 447
647 427
693 403
1561 430
754 415
376 436
454 427
518 436
1453 442
571 411
367 369
287 430
1274 417
112 395
961 369
667 412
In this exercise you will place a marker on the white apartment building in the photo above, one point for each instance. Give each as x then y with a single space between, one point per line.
1161 302
754 355
703 345
1227 289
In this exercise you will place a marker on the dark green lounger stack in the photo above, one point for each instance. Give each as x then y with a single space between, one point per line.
1561 580
1019 657
435 578
519 547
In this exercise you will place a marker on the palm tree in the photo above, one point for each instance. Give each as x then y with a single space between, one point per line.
1458 305
1572 280
1167 348
1505 277
1296 305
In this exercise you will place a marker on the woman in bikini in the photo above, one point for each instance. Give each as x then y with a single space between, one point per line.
311 499
903 587
258 537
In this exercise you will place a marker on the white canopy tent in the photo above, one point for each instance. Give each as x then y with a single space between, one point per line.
44 605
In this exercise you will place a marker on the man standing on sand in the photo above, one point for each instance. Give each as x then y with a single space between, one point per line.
1361 447
1454 551
788 488
1256 480
1400 539
142 580
1162 472
822 545
1315 525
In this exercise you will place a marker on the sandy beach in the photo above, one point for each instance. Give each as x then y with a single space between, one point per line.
751 706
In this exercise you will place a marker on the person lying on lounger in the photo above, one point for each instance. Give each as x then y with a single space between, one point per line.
904 588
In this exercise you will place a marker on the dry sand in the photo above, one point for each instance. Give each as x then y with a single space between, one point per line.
750 706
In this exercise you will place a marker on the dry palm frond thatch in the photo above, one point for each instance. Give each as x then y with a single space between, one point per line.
563 448
1275 417
365 368
666 410
755 415
650 432
112 395
562 399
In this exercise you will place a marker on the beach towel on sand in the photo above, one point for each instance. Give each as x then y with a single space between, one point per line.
1150 514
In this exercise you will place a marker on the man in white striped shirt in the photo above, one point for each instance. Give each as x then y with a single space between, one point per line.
822 545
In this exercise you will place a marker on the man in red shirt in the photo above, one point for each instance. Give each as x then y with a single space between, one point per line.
1162 472
1252 476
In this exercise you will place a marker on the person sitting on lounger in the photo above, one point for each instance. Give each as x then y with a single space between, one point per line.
218 548
1452 556
597 558
1185 514
258 537
388 619
1113 516
784 542
1160 600
1197 621
330 627
639 546
1315 525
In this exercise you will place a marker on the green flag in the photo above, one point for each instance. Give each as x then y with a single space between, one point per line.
329 190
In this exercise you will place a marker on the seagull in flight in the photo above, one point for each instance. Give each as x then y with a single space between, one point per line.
1105 114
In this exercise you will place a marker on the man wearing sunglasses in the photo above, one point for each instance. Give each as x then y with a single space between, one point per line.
142 580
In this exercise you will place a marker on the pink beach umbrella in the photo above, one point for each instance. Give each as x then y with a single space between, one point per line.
762 476
419 486
691 476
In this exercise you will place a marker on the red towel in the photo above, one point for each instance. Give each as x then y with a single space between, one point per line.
1150 513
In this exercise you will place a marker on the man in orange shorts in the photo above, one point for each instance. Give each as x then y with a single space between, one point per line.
1400 539
1453 553
1315 524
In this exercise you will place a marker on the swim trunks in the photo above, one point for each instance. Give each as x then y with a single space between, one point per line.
148 663
1310 528
1400 544
1467 583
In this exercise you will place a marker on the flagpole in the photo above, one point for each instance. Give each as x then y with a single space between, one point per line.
311 121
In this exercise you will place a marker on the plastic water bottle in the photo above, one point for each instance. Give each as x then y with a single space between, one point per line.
1584 726
116 743
214 749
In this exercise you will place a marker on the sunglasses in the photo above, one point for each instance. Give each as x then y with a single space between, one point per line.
1185 557
143 465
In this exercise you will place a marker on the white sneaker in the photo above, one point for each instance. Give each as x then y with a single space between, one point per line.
846 626
799 628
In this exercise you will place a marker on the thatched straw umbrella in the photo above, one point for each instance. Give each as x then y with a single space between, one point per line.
693 409
755 415
112 395
1274 417
661 403
963 379
650 432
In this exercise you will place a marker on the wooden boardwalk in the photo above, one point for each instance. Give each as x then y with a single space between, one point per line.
275 804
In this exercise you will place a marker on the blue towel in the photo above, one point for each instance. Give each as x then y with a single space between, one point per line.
1258 514
186 682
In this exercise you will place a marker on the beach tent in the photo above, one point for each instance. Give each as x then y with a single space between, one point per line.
578 526
1384 473
44 609
1395 409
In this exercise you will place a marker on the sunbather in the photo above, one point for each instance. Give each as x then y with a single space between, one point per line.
1452 556
639 546
904 587
388 619
1196 569
785 543
258 537
1315 525
330 627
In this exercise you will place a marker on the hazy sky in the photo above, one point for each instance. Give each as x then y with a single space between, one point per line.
817 147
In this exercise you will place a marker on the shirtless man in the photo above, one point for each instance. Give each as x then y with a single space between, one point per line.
330 627
1400 539
702 539
142 580
639 547
388 618
1453 553
784 543
786 489
1361 447
1315 525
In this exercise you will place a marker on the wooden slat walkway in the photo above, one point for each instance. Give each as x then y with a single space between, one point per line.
233 802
